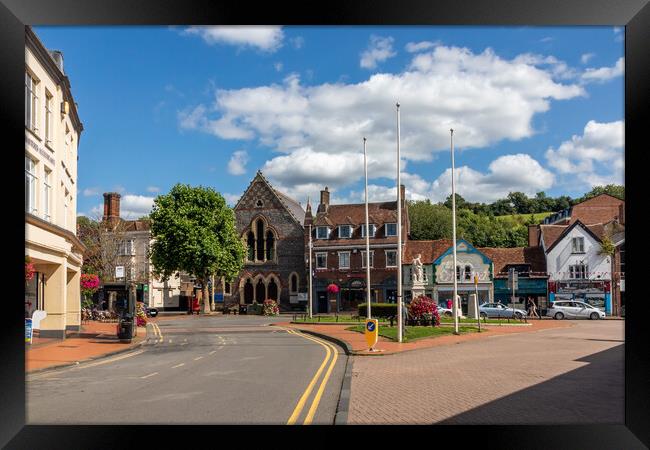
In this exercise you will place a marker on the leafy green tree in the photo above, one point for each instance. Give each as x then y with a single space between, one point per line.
194 231
429 221
520 202
461 203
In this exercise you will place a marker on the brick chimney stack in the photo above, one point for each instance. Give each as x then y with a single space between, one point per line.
324 200
621 213
402 194
112 206
533 235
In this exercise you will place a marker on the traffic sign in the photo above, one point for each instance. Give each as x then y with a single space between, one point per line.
371 332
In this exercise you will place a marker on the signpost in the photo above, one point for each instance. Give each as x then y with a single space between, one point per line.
478 316
513 283
372 333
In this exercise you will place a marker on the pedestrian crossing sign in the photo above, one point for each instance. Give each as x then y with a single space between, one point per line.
372 332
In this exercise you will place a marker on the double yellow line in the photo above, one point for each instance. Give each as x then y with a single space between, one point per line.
156 331
330 350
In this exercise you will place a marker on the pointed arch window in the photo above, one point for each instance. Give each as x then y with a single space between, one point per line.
270 246
293 283
251 246
260 240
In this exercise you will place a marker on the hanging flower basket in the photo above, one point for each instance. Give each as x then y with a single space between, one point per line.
29 269
332 288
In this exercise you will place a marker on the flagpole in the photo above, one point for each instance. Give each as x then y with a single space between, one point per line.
311 274
453 225
365 168
399 239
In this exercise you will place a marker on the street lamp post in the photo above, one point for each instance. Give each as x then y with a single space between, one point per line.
399 238
453 224
365 167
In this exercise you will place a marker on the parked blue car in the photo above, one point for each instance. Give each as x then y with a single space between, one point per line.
500 310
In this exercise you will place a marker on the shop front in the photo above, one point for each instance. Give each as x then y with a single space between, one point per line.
597 293
534 288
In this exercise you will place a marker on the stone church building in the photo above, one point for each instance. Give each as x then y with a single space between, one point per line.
271 226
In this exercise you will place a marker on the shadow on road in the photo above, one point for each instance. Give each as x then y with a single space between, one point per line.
591 394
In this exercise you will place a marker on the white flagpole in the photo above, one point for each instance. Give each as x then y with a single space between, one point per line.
453 225
399 239
310 273
365 167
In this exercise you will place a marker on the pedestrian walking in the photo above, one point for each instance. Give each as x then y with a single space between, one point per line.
449 304
405 317
534 312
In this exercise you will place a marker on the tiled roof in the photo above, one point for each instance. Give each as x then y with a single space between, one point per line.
137 225
429 250
355 214
501 257
550 233
293 206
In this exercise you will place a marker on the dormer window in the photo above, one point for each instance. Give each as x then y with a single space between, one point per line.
372 227
345 231
322 232
391 229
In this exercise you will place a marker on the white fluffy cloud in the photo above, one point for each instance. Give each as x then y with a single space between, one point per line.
231 199
595 158
154 189
379 50
319 129
508 173
265 38
89 192
413 47
237 163
604 73
584 59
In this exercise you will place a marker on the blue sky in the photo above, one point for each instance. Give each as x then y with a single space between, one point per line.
533 109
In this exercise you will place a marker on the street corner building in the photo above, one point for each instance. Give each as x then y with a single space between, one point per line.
585 253
130 250
338 237
270 225
52 132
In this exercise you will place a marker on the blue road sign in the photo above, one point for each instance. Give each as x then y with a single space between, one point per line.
371 326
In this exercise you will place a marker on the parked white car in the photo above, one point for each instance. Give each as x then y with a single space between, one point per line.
442 311
565 309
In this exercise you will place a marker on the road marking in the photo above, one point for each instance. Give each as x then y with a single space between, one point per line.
150 375
117 358
301 403
178 365
183 343
212 352
198 357
321 389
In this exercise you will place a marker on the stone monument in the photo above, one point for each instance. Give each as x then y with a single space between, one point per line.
418 277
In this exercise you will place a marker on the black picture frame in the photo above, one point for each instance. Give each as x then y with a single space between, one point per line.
633 14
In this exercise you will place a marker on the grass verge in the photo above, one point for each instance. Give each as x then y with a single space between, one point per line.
415 333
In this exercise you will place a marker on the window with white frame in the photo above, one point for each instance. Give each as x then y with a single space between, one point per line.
47 195
372 230
578 271
391 229
30 185
391 258
344 260
49 123
322 232
345 231
578 245
31 102
321 260
364 259
127 247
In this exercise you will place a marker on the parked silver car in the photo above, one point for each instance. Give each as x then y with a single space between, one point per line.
500 310
565 309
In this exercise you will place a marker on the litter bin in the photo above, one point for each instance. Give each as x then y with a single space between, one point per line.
125 328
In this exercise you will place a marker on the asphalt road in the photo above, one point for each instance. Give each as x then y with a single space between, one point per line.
202 370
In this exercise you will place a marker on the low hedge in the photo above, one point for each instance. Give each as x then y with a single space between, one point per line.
379 309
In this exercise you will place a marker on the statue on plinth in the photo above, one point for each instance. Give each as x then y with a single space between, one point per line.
418 272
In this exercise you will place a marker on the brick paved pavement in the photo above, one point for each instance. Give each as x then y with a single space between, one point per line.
558 375
94 340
